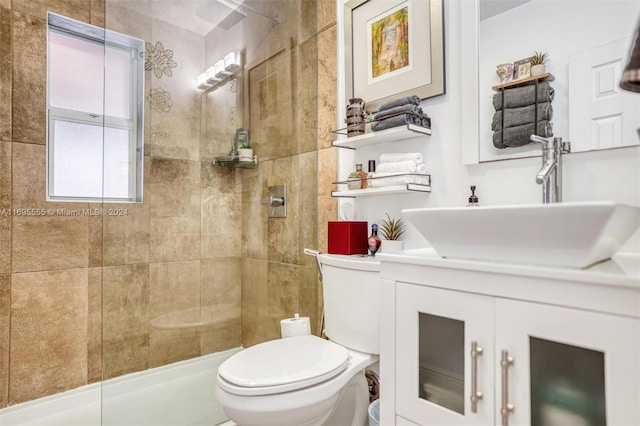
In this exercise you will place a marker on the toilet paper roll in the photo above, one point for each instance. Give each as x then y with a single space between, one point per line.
299 326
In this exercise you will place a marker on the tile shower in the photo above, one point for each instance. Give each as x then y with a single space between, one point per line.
79 294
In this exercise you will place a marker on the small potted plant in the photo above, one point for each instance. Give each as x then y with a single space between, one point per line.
538 62
391 230
245 152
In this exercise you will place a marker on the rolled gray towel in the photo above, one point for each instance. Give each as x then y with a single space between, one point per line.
413 100
523 96
400 120
523 115
519 135
397 110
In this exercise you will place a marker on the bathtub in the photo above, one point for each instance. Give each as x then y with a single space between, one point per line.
181 393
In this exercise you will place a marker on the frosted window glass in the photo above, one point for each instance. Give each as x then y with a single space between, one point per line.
76 73
117 163
118 83
77 156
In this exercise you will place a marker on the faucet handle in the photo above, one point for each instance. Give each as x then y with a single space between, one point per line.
539 139
566 147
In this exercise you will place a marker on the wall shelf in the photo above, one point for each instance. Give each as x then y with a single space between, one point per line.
524 81
386 190
399 133
227 161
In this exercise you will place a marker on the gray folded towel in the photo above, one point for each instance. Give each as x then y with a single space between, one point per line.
523 96
400 120
523 115
519 135
414 100
397 110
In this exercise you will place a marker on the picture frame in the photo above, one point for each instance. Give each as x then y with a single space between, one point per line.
522 68
393 49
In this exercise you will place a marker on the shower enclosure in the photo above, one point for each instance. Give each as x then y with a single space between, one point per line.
195 269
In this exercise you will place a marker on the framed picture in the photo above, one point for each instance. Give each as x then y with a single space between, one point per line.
393 49
522 68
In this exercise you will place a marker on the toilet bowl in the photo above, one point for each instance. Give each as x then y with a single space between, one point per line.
307 380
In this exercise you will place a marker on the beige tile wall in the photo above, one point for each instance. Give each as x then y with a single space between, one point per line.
79 295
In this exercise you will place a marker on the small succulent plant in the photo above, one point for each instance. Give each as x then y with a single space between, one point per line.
391 229
539 58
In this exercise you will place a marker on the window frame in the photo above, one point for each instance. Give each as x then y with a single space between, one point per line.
135 124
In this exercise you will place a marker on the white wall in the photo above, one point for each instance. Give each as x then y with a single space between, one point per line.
602 175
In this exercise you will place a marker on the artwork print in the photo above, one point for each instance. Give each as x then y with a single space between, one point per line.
389 37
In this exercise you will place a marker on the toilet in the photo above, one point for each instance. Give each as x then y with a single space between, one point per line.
307 380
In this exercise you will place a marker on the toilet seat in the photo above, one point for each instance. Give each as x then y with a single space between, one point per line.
282 365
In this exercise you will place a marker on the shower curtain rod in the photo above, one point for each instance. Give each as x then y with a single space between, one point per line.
233 4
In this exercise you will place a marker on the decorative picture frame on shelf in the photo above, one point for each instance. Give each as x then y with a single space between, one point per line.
522 68
393 49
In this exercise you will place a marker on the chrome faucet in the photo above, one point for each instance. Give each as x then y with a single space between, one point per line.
550 175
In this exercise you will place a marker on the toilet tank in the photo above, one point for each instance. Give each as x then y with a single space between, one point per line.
351 291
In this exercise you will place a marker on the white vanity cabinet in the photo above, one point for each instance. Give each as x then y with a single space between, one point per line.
549 349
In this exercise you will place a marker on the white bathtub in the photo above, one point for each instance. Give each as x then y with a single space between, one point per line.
177 394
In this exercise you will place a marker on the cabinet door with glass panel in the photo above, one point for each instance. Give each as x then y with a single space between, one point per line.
444 356
562 366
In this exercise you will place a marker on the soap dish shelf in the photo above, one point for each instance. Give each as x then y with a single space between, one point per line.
227 161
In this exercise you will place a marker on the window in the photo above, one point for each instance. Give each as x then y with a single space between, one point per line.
95 87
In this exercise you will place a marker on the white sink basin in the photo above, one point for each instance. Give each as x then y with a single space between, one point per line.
572 235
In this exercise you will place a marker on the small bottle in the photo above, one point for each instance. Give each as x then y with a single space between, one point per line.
473 199
363 176
372 171
374 241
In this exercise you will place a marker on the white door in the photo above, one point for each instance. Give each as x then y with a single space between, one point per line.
602 115
569 366
435 329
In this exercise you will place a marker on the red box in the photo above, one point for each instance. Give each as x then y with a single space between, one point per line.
348 237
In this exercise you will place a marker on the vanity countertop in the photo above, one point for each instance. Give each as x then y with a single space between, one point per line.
623 270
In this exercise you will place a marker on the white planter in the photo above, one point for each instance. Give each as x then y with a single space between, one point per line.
391 246
245 154
537 70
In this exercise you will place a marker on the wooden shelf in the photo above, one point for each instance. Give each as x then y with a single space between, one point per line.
399 133
524 81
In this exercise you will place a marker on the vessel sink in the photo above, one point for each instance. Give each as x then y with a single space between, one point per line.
571 235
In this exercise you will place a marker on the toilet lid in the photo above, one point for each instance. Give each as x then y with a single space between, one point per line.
283 365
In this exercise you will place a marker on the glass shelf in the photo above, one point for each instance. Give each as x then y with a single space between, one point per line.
384 190
227 161
399 133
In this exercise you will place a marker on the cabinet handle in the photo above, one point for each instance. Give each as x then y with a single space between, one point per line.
505 362
476 396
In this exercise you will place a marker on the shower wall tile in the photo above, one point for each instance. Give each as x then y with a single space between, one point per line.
5 312
125 319
5 70
221 298
52 241
221 213
35 8
306 96
282 233
97 13
29 79
308 19
256 324
308 289
327 205
255 215
126 238
326 14
327 87
49 308
94 326
76 9
308 206
5 207
174 238
174 300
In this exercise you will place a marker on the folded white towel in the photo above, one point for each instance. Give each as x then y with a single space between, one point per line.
397 166
392 157
390 179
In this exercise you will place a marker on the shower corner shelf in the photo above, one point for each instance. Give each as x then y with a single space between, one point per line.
227 161
399 133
